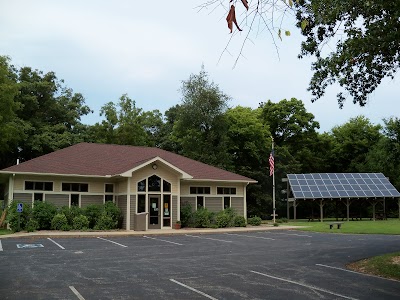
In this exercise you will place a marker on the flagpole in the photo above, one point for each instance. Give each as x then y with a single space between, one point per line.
273 185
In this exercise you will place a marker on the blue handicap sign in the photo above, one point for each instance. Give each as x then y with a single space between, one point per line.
20 207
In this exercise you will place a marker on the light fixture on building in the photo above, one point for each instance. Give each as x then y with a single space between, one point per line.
154 166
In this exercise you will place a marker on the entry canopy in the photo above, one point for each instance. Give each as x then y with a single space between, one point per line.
341 185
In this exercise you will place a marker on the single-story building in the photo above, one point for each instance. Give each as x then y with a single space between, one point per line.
138 179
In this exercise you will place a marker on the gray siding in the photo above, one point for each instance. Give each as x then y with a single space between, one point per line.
174 205
237 203
133 209
58 200
25 198
214 204
190 200
121 202
91 199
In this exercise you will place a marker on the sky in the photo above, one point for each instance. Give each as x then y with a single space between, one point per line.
104 49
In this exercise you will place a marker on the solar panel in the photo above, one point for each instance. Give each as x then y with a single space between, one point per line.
341 185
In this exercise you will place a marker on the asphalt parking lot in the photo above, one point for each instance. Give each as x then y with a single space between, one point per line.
246 265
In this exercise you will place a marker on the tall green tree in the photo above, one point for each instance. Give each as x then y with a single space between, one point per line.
127 124
51 113
352 142
384 156
10 127
201 127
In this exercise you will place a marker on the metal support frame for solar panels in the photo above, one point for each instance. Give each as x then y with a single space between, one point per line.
340 186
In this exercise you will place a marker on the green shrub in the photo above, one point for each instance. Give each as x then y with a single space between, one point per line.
284 220
222 219
13 215
113 211
70 213
43 213
254 221
93 213
105 222
186 215
59 222
80 222
231 213
32 225
240 221
276 224
202 218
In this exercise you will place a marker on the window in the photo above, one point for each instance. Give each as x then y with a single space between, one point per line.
227 202
38 196
167 210
154 183
141 186
226 191
38 186
141 204
108 198
166 186
74 187
200 190
200 201
109 188
74 199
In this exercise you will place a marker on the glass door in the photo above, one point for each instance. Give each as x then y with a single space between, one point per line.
154 212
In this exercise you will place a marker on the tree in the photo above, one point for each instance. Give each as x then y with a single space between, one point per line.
351 143
200 127
10 127
49 111
127 124
384 156
364 37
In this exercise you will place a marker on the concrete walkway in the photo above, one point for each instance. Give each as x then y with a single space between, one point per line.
91 233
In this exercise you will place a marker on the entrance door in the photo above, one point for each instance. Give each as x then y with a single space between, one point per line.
154 212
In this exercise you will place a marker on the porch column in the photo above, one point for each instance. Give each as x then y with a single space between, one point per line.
373 210
178 203
245 201
10 189
128 204
294 210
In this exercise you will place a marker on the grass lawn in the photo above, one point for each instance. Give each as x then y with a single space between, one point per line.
5 231
387 266
391 226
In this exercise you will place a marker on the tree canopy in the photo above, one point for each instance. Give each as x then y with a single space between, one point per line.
354 43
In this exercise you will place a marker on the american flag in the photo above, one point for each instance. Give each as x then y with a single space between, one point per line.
271 163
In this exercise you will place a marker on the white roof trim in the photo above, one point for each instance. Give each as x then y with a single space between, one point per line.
54 174
221 180
153 160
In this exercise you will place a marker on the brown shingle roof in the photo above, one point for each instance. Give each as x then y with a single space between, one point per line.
104 159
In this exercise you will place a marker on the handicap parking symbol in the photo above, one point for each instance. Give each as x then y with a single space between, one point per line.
20 207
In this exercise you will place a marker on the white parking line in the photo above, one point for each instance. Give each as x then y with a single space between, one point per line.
56 243
251 236
193 289
305 285
358 273
147 237
1 247
201 237
112 242
76 293
291 234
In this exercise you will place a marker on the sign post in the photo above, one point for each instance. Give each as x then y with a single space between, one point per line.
20 208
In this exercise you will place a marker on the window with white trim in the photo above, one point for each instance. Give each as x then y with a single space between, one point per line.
38 186
199 201
226 191
200 190
74 187
227 202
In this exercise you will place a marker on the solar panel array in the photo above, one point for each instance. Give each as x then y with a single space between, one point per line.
341 185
